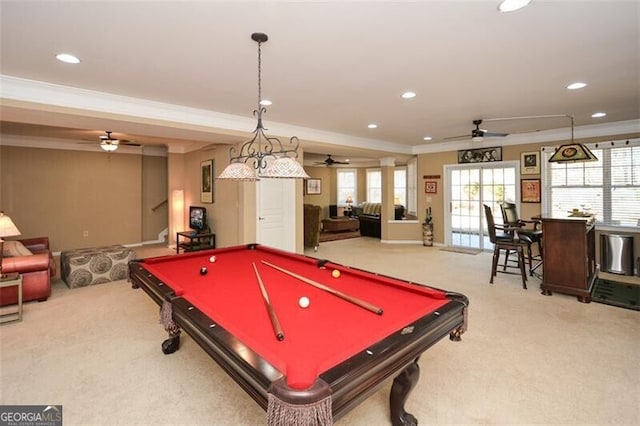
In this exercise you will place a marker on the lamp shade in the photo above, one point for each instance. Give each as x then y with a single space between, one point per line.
7 227
284 167
238 171
572 152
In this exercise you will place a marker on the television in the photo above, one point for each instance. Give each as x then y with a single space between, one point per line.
198 218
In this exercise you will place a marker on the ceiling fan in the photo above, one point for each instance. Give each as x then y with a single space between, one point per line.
330 161
478 134
108 143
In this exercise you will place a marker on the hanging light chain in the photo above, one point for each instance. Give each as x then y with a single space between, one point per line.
259 74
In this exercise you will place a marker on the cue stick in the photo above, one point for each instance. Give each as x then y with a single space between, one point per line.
272 314
361 303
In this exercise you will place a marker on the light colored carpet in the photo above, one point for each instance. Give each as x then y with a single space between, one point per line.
461 250
526 358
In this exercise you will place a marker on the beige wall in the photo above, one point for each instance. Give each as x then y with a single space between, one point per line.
226 215
79 198
62 193
433 165
328 189
233 214
155 205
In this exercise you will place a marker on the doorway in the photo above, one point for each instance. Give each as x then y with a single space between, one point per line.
468 187
276 225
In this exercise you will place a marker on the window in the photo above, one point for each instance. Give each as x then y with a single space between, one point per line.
374 186
347 179
400 186
608 188
412 187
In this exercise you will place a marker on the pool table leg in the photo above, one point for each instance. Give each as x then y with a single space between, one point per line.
402 386
172 344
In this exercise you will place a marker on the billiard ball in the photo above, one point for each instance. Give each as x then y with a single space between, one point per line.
203 271
212 259
335 273
303 302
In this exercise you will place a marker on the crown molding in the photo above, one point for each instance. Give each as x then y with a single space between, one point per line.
545 136
43 93
64 144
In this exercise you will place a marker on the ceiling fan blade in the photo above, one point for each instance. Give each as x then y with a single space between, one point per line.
494 134
451 138
129 143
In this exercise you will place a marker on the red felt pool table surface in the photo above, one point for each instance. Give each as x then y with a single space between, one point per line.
317 338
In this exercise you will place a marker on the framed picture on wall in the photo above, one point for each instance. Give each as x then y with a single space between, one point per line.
206 181
530 190
431 187
530 163
480 155
313 186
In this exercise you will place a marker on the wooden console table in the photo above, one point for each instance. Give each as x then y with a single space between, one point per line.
569 256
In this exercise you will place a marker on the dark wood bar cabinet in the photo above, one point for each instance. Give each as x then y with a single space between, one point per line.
569 256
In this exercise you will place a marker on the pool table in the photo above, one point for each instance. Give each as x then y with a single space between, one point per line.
304 365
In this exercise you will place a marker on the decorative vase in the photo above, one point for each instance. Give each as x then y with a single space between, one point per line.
427 234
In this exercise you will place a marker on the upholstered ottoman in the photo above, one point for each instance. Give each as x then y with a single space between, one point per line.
95 265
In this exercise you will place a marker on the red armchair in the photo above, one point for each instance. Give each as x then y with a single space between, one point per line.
36 270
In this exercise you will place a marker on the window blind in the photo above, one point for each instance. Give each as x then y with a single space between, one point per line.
609 188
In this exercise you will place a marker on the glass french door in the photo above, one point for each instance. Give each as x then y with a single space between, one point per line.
469 186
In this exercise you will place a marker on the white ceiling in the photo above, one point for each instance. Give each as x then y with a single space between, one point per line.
329 67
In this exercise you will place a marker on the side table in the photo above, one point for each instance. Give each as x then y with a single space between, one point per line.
196 241
10 281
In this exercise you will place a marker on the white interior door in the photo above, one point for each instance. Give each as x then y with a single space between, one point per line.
469 186
276 213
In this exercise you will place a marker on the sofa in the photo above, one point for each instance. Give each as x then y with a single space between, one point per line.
312 226
369 215
32 259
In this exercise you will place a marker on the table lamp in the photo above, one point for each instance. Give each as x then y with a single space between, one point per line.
349 201
348 212
7 229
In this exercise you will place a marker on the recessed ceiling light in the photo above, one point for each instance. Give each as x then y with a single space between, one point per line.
511 5
408 95
599 114
427 138
68 58
576 85
372 126
265 102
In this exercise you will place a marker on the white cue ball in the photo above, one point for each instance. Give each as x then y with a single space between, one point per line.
212 259
303 302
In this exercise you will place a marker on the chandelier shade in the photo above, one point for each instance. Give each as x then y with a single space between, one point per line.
284 167
572 152
269 157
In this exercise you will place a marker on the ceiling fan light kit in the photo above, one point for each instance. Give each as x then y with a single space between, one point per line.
109 146
271 159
